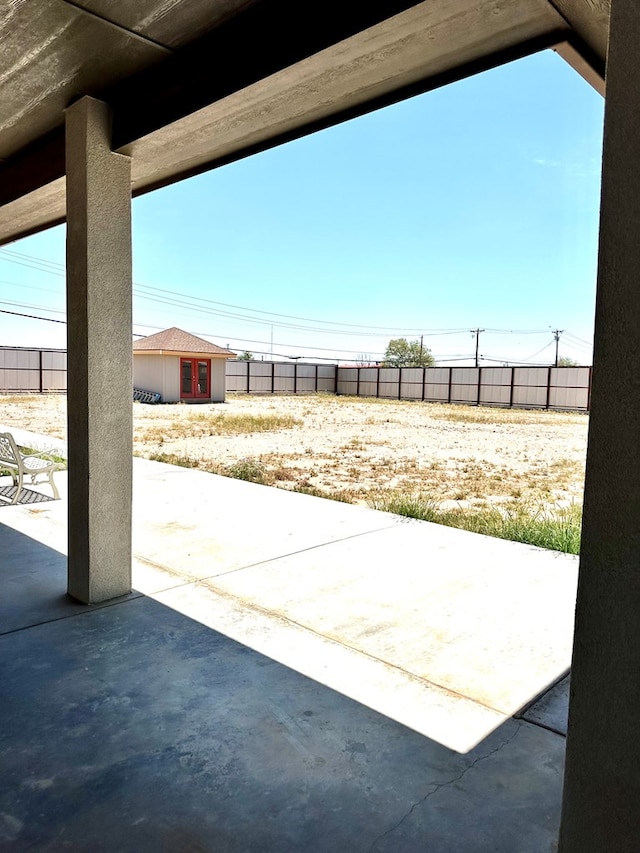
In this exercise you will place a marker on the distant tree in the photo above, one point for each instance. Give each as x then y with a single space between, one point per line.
245 356
565 361
403 353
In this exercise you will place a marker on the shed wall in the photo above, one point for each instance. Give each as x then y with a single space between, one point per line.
218 379
147 374
170 378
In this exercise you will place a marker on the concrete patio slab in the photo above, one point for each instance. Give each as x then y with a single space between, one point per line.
190 524
445 631
552 708
132 728
478 616
449 719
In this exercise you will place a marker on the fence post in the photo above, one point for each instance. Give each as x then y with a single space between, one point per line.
378 382
449 391
248 376
479 388
273 377
357 381
513 373
295 377
424 382
40 370
399 383
548 387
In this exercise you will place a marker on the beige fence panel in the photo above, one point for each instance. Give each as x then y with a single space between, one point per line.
436 393
307 378
570 387
464 385
495 386
412 383
569 398
437 384
495 395
237 375
283 378
327 377
32 370
530 396
347 382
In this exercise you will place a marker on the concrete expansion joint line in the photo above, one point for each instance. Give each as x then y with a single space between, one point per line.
192 581
437 786
290 621
295 553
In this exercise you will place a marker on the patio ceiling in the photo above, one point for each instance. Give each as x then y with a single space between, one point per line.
194 84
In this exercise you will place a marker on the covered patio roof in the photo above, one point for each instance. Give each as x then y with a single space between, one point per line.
193 84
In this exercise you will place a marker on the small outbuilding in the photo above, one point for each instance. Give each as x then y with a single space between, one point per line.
180 367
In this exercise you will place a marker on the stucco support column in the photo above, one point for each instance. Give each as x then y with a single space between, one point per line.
99 356
601 809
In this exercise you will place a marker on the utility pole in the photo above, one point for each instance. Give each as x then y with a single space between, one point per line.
476 332
421 347
556 335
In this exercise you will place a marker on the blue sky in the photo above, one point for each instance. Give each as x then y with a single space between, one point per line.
472 206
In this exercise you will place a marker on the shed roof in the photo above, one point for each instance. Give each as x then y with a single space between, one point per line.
177 340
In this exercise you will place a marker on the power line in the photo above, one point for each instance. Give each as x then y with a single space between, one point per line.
32 316
193 304
58 269
27 305
581 340
374 355
546 346
165 296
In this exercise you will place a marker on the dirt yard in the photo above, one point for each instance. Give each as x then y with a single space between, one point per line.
356 449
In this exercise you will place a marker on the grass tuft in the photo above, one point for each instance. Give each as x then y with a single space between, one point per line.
249 470
422 506
183 460
243 424
201 424
557 529
316 492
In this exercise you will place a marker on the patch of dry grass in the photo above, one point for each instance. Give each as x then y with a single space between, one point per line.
457 413
199 424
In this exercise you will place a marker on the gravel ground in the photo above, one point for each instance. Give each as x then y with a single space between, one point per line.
357 448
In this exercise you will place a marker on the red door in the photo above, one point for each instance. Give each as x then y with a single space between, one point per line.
195 378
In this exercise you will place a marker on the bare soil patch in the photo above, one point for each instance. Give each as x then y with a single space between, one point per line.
356 448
